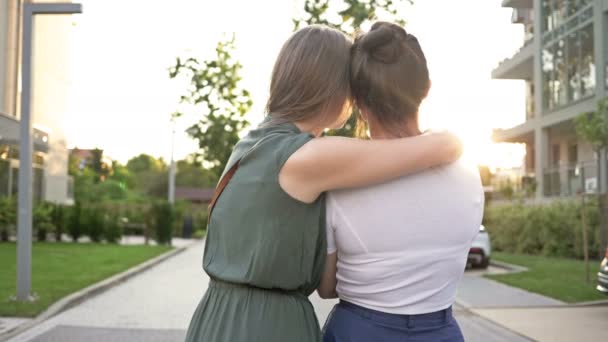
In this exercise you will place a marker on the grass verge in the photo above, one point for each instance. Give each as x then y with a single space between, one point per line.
559 278
59 269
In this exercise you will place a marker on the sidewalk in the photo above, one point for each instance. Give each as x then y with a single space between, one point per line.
537 317
157 304
553 324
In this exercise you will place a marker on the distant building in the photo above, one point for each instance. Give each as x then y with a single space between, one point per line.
85 156
194 195
50 84
564 62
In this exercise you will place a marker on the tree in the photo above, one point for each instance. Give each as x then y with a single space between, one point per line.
122 176
150 174
144 162
352 16
216 93
593 127
98 166
192 174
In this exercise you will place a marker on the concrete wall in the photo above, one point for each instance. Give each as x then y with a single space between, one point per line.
50 98
3 52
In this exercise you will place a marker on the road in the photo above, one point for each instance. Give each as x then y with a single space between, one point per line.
157 304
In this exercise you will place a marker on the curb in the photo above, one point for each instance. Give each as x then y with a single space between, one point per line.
470 311
510 267
517 269
89 291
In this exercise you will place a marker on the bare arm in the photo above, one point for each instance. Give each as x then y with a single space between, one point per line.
327 288
331 163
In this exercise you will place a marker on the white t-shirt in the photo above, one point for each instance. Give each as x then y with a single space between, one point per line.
402 245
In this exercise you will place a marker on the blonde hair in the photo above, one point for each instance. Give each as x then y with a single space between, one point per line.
310 76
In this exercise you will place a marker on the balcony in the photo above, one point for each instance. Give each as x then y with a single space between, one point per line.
522 16
518 67
9 134
521 134
570 180
518 3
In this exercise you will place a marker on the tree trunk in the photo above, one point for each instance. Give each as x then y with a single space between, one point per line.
603 208
585 239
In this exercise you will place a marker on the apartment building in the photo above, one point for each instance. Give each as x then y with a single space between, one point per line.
50 84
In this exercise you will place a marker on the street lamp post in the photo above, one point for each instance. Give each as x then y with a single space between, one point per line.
171 197
24 223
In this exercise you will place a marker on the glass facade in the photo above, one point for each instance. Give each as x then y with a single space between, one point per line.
568 66
556 13
9 172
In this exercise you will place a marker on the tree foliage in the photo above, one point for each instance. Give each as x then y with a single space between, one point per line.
349 16
593 126
192 174
215 91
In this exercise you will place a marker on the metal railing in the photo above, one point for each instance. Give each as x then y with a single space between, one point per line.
570 180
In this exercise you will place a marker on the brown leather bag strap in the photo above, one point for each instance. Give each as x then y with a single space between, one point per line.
220 188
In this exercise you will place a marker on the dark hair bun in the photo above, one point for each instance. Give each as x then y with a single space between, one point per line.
384 43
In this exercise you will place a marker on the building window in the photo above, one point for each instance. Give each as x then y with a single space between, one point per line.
587 61
560 80
556 13
555 152
568 66
4 177
574 67
548 66
572 154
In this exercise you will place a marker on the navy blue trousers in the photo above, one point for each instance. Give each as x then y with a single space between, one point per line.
352 323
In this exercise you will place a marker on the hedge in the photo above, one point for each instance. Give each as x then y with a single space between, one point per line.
551 229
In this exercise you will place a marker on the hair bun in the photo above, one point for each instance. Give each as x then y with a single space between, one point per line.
383 43
376 38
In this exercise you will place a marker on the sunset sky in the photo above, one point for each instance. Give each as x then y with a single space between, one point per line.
121 96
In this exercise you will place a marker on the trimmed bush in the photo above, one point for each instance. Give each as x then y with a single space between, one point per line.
162 212
76 226
59 220
8 217
112 231
94 218
552 229
42 220
199 234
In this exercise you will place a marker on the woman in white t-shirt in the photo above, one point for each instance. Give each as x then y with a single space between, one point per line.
397 250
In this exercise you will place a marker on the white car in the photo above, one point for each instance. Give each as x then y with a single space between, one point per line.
481 250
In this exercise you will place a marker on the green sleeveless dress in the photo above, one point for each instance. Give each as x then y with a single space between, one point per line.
264 252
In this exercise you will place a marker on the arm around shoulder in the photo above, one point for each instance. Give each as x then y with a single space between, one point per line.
331 163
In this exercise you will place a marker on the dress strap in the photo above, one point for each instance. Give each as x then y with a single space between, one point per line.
220 188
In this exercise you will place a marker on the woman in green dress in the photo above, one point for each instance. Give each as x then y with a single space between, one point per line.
265 247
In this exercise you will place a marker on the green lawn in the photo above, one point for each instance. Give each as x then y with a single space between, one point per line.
59 269
562 279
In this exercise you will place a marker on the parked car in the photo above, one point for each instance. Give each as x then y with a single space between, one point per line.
602 275
481 250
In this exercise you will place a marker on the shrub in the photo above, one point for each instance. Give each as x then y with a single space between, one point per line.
199 234
58 218
76 226
162 213
552 229
94 218
42 220
112 232
8 217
